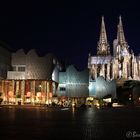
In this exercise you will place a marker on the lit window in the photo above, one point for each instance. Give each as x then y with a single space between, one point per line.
62 89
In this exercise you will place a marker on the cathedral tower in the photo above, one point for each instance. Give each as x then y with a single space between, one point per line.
120 46
120 34
103 46
122 52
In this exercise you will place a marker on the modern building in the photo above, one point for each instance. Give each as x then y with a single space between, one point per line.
73 85
32 79
123 64
101 88
32 66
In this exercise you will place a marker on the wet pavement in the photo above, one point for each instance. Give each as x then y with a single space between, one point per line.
39 123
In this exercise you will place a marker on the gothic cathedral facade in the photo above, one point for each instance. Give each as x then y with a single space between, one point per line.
123 64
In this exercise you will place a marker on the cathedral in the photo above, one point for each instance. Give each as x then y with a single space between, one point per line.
123 64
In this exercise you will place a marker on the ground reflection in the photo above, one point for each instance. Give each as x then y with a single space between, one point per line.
74 123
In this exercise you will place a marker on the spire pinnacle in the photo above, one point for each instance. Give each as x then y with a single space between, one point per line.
102 18
103 46
120 33
103 36
120 19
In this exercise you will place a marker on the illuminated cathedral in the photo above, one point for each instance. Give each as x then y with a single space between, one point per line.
123 64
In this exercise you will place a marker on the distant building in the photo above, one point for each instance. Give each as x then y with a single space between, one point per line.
33 79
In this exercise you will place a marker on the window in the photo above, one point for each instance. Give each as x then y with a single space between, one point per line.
21 68
14 68
62 88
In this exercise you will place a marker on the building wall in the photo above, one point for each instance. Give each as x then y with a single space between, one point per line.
73 83
101 88
36 67
27 91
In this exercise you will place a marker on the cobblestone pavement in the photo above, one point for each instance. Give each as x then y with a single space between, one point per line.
18 123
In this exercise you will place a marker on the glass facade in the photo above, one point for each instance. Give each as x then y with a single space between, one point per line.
73 83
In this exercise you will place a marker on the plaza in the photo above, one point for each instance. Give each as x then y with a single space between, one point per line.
31 123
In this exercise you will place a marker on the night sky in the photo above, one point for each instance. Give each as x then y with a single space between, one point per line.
68 29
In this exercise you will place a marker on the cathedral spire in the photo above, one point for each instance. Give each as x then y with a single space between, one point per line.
103 46
103 36
120 33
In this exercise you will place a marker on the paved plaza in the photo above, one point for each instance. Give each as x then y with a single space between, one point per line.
40 123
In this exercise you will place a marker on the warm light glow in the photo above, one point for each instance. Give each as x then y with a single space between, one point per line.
108 100
10 93
97 104
47 102
50 94
28 94
12 99
33 100
37 100
73 104
38 94
28 100
55 100
4 98
90 98
116 105
43 95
